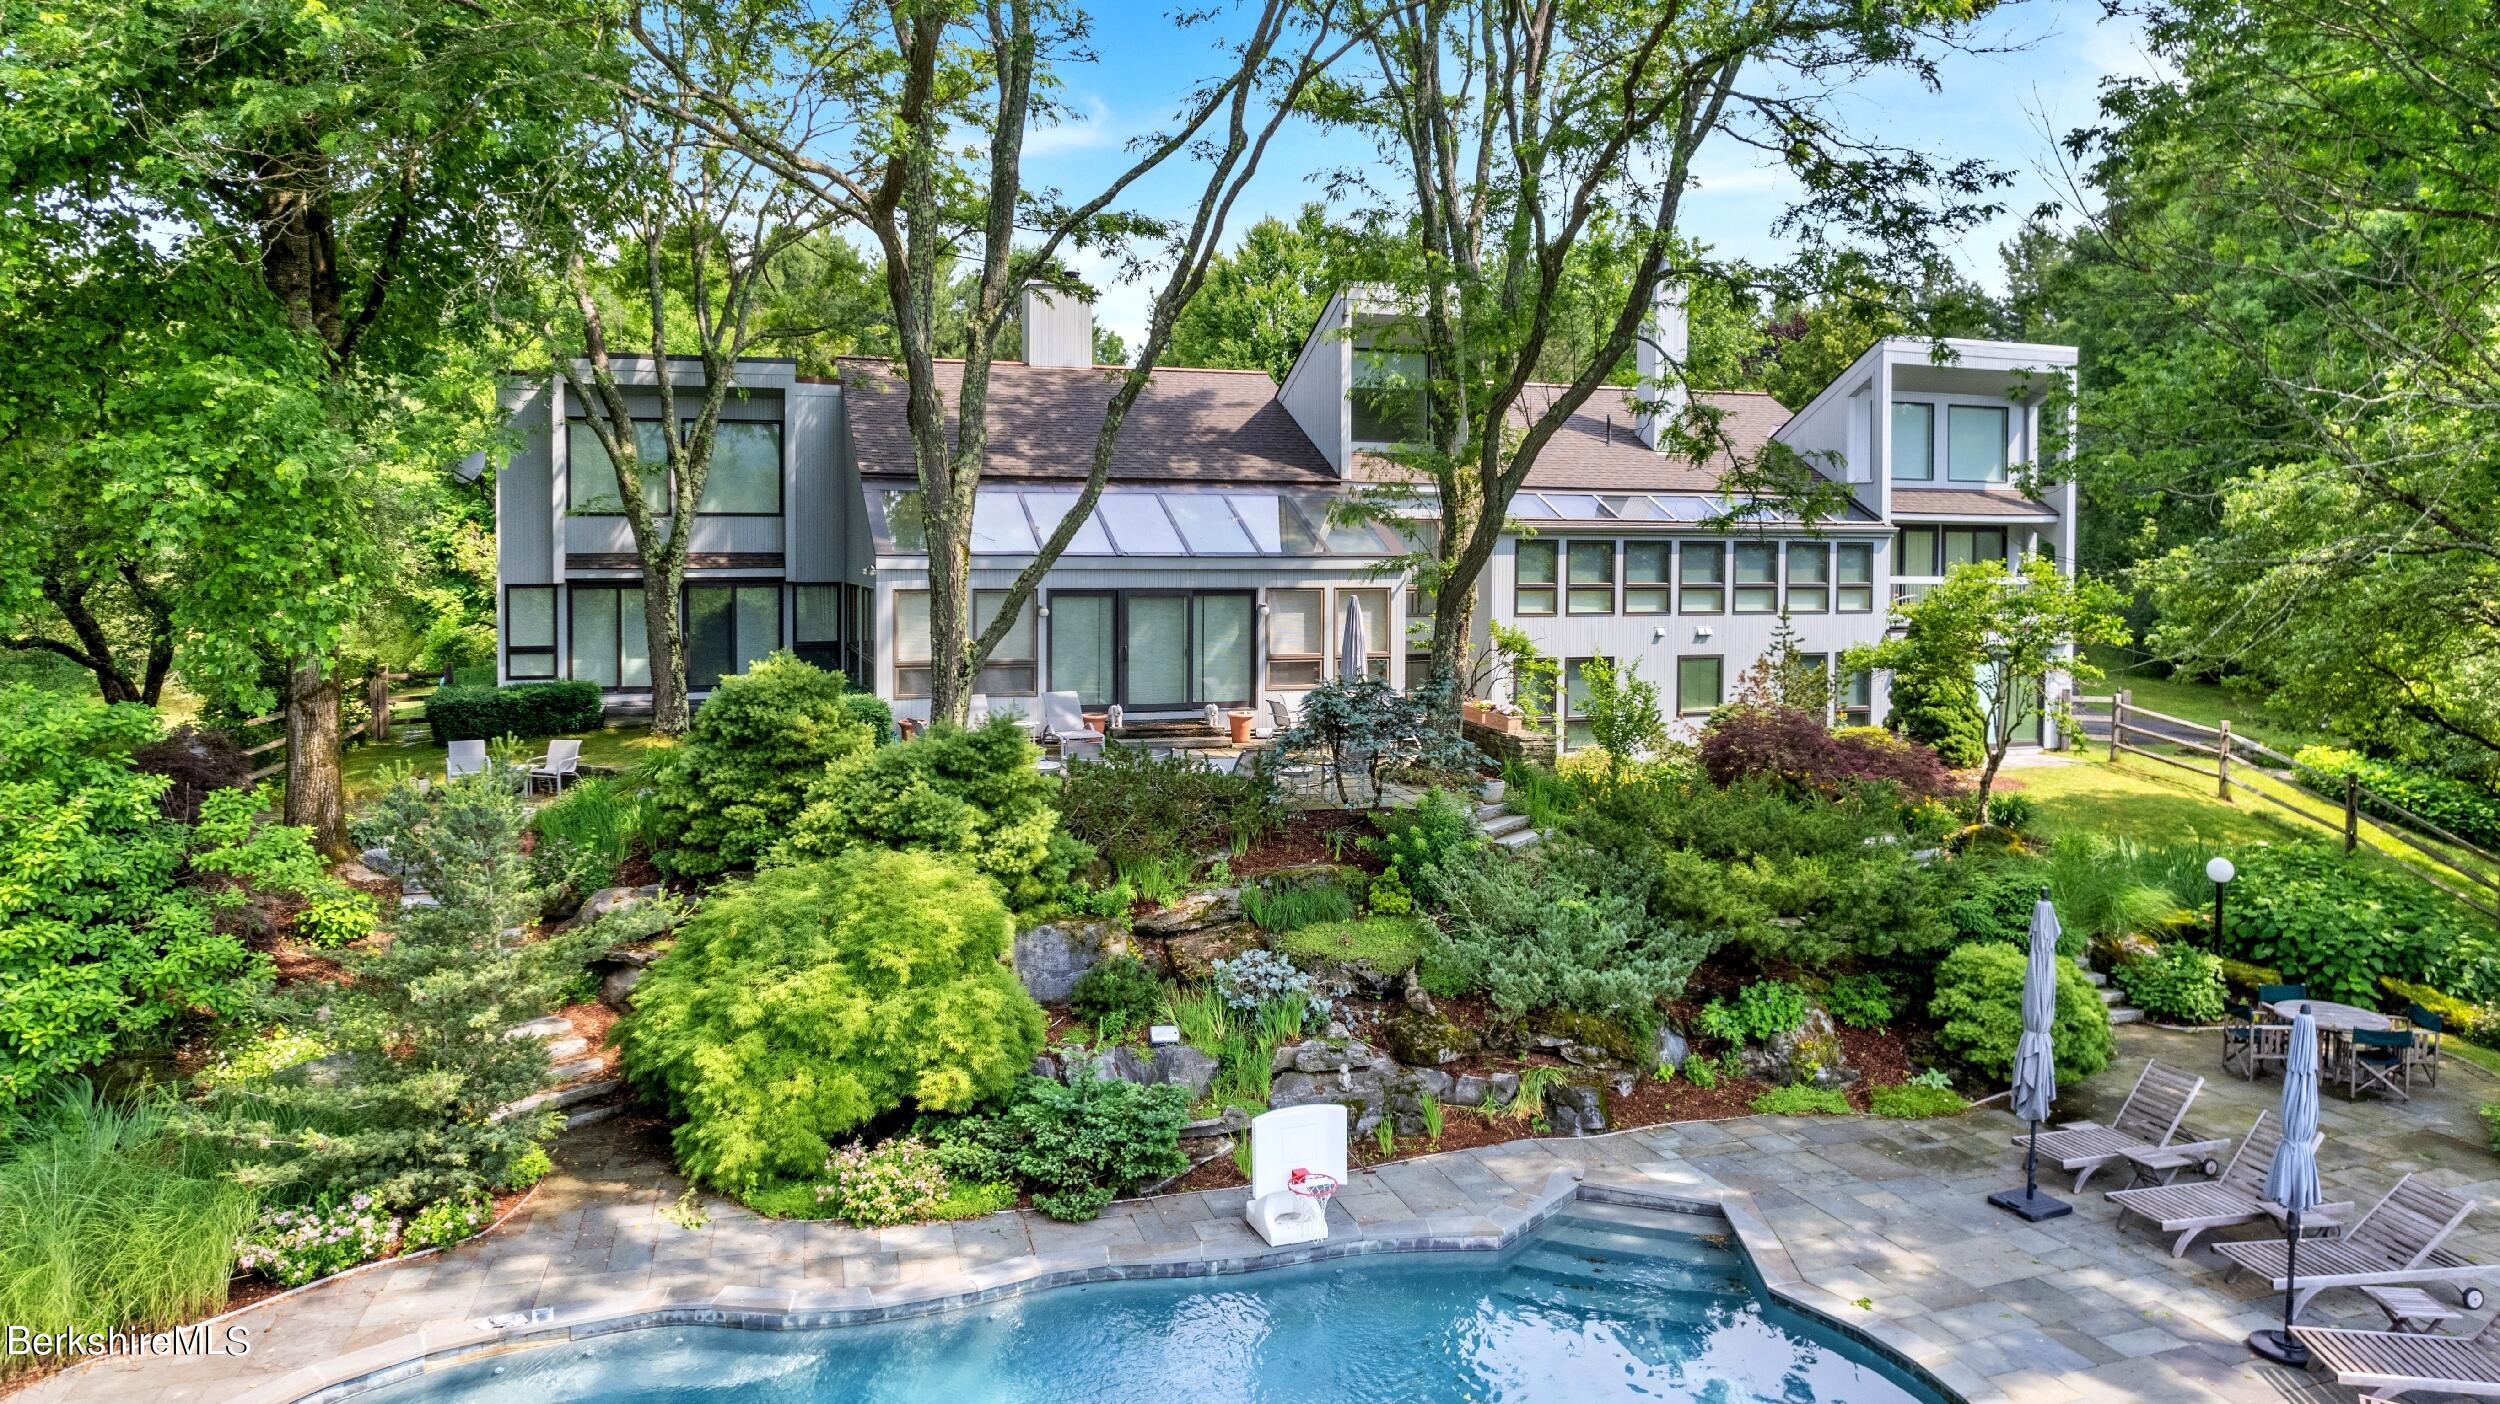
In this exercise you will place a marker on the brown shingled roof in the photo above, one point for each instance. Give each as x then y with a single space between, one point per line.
1199 426
1968 502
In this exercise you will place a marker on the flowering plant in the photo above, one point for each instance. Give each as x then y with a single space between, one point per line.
443 1224
296 1246
899 1182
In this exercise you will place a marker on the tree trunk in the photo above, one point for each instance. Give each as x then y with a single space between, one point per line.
950 617
1988 775
315 795
671 714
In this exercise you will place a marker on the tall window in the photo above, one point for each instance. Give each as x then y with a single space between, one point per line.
1697 685
1376 641
1419 606
816 625
1575 704
590 478
1220 648
1533 591
611 644
1645 588
1701 585
1296 655
1083 646
1390 397
1013 669
1809 577
1913 442
1963 545
1757 577
730 628
1592 589
1857 698
1917 553
1856 570
745 476
529 631
1975 438
1819 666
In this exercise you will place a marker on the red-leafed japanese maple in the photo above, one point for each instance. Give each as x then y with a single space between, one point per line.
1799 750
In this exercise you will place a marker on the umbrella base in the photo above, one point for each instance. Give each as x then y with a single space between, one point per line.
2279 1348
2031 1204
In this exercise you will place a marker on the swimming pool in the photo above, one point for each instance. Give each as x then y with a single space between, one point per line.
1602 1302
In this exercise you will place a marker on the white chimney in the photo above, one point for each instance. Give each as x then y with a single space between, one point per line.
1658 359
1058 329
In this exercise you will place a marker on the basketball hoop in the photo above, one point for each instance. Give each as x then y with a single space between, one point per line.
1311 1184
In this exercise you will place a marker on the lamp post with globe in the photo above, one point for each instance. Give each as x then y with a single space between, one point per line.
2220 870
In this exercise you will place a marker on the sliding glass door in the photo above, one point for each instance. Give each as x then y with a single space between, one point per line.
1152 650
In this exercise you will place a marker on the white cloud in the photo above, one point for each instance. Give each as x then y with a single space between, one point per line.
1087 130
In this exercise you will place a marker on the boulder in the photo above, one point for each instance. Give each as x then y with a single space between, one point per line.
1192 955
1184 1067
1808 1054
380 861
1586 1040
1466 1090
1365 1094
1121 1065
1500 1088
1044 1066
1668 1047
1575 1108
1419 1038
1193 911
1051 957
1230 1122
1338 1055
356 874
616 988
616 899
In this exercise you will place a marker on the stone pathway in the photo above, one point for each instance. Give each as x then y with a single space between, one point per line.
1880 1224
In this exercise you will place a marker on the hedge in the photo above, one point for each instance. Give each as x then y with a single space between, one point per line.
2469 811
523 709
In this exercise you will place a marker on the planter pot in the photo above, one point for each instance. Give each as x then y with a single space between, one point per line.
1492 720
1098 722
1492 791
1240 723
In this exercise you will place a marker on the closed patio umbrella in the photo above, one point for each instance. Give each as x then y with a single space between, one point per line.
1352 654
2035 1065
2292 1180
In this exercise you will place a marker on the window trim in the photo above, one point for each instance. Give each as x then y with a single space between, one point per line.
1867 548
1519 583
1685 584
1269 657
1788 573
1563 715
1611 584
668 476
551 650
1664 584
1032 608
685 618
1374 650
1841 708
1734 585
2005 443
1720 660
573 592
781 475
1892 469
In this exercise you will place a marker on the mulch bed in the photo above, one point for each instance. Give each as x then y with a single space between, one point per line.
1304 839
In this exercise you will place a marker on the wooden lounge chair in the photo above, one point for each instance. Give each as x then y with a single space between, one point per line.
2149 1117
2396 1244
2384 1364
2238 1197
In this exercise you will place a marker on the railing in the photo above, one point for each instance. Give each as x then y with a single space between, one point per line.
2466 871
383 704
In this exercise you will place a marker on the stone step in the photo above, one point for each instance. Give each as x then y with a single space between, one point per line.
2111 996
1507 824
591 1115
2126 1016
563 1097
573 1068
1491 810
1518 839
2096 978
562 1048
545 1026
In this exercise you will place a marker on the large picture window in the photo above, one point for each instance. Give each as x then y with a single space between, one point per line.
1296 655
1014 668
1975 439
1533 591
1697 685
1592 565
1809 577
745 477
1757 577
1575 704
1084 646
1645 566
1857 698
529 631
1963 545
590 476
1390 397
1855 567
1913 442
730 628
611 644
816 632
1701 585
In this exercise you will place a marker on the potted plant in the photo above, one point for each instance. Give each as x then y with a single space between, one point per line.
1240 722
1501 717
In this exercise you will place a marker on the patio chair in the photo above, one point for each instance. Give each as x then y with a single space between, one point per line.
1024 709
2397 1244
2381 1061
1083 745
464 758
1279 715
2389 1363
2239 1040
2237 1197
2276 994
1063 716
2428 1026
561 762
2149 1117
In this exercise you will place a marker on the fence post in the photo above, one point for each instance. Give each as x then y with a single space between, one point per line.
2352 811
378 701
2117 718
2222 758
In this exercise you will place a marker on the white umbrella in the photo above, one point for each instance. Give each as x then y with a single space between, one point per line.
2035 1063
2292 1179
1352 656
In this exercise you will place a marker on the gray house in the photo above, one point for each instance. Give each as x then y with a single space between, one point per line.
1210 572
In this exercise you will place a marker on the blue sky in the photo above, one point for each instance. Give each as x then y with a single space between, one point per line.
2003 108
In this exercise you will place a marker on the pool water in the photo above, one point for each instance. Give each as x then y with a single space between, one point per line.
1603 1302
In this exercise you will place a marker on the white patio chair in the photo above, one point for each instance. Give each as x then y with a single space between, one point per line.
1063 716
1084 745
562 762
978 714
464 758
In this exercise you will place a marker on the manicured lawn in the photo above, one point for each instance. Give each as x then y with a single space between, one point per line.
2206 704
2129 800
617 746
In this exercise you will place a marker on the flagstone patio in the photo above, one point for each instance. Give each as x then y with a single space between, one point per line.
1882 1225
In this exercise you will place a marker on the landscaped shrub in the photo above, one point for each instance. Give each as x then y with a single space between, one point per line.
1417 842
799 1005
2181 985
1530 937
899 1182
2469 811
522 709
1795 749
2475 1023
1802 1101
1912 1102
1290 906
296 1246
600 818
730 787
1763 1011
409 1111
2118 887
1117 994
1257 979
104 937
1991 898
2338 923
446 1222
1363 727
108 1222
1860 1000
1388 944
972 795
1132 806
1935 701
2490 1113
1075 1145
1979 1007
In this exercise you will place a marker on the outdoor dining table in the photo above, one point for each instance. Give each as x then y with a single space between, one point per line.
2335 1024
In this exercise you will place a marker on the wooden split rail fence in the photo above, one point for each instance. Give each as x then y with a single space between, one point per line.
2466 871
386 708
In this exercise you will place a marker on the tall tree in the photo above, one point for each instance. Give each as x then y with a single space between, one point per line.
353 163
861 113
1261 301
1519 133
